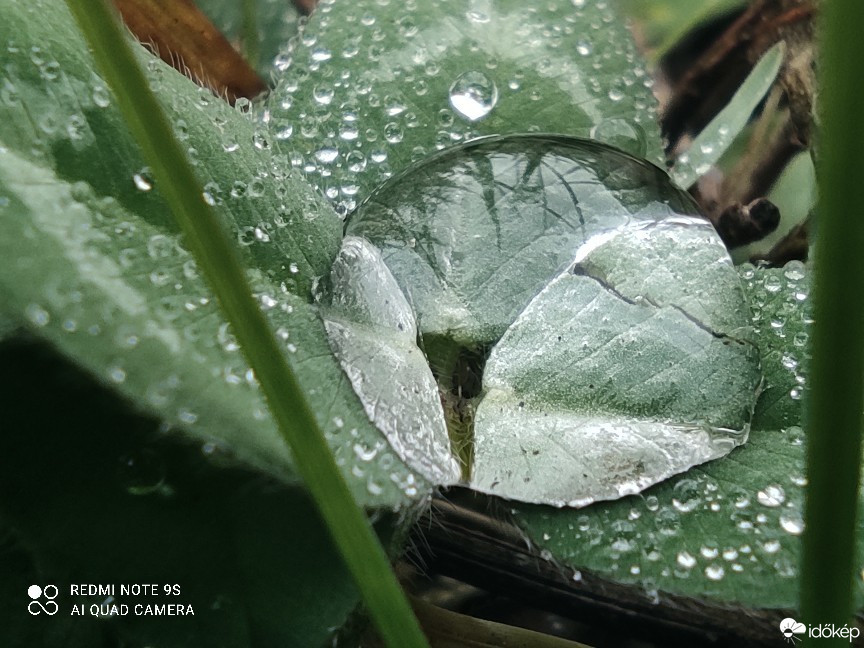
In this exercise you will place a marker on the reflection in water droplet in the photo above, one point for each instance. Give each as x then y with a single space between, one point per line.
686 495
473 95
771 496
143 180
685 560
141 472
715 572
792 523
623 133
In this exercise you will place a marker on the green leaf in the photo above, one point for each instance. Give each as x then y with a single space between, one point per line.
58 114
728 530
633 365
111 499
110 284
716 138
372 86
473 233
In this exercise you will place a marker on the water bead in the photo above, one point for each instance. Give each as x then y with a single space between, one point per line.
473 95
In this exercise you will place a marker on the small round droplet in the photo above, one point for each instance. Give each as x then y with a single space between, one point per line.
142 472
685 560
473 95
715 572
686 496
771 496
623 133
792 524
143 180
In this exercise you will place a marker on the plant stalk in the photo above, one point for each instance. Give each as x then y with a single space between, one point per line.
219 261
251 42
836 395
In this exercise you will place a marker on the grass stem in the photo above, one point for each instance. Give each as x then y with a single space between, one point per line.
220 263
251 42
836 395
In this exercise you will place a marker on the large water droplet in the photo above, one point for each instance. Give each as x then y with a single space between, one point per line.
473 95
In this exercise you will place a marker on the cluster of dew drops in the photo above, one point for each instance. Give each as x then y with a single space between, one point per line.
159 260
329 117
666 534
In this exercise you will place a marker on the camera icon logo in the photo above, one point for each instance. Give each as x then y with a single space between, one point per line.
36 606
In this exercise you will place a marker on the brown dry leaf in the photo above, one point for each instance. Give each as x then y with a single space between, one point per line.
183 37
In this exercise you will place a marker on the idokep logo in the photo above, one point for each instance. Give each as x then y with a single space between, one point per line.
791 628
36 606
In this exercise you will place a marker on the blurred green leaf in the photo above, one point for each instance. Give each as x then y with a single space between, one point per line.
111 499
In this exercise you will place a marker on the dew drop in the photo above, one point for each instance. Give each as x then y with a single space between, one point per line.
473 95
715 572
685 560
100 96
771 546
364 453
623 133
792 524
326 155
771 496
584 48
141 472
393 133
143 180
36 314
686 496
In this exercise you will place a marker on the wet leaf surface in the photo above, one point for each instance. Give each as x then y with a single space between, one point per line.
98 269
729 530
371 86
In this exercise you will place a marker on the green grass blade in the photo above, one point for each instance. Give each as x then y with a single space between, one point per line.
716 138
251 42
220 263
837 372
